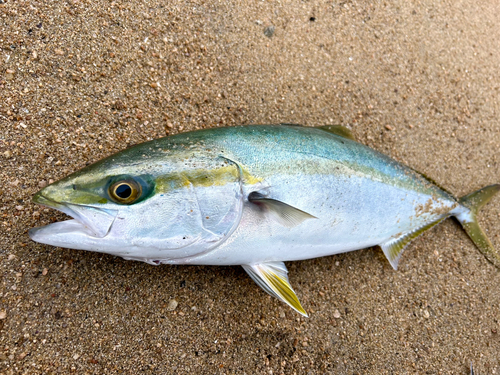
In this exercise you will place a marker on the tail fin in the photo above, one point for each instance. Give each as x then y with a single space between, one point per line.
468 219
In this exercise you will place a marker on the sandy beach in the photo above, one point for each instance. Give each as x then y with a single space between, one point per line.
80 80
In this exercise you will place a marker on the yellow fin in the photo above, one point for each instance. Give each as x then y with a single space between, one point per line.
393 249
273 278
339 130
473 203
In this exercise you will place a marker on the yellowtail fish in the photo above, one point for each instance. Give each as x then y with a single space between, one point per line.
254 196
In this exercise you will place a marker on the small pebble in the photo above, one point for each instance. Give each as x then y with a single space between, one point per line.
389 127
336 314
3 314
9 74
269 31
19 208
11 257
426 314
59 52
172 305
45 271
42 184
7 154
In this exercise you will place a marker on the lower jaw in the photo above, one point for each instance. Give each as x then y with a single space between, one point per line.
59 233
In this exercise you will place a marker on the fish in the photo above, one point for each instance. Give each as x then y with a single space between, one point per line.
254 196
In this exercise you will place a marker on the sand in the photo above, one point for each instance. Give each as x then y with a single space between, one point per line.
80 80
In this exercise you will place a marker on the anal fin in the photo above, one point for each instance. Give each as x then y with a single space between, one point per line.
273 278
394 247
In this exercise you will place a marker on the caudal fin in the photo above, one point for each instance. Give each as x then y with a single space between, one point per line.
468 219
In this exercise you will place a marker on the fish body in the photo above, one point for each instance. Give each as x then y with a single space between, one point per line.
254 196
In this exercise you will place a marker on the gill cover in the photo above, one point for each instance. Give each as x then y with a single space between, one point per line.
194 219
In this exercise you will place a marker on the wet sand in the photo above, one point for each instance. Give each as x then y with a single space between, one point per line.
80 80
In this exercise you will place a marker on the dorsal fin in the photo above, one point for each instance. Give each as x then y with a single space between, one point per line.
339 130
431 180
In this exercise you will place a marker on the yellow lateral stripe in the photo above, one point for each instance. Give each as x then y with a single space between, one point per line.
203 177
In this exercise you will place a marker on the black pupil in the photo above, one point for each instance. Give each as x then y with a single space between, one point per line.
123 191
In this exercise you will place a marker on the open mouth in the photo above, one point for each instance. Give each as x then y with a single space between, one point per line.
95 222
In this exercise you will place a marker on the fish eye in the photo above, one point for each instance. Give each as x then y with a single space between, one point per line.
125 191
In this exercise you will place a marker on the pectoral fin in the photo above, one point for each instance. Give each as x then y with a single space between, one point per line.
283 213
273 278
393 248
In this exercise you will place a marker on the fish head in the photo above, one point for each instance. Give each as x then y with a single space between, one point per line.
157 210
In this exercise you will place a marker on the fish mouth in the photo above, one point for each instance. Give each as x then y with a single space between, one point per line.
92 221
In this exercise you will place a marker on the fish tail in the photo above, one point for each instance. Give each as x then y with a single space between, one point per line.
468 218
